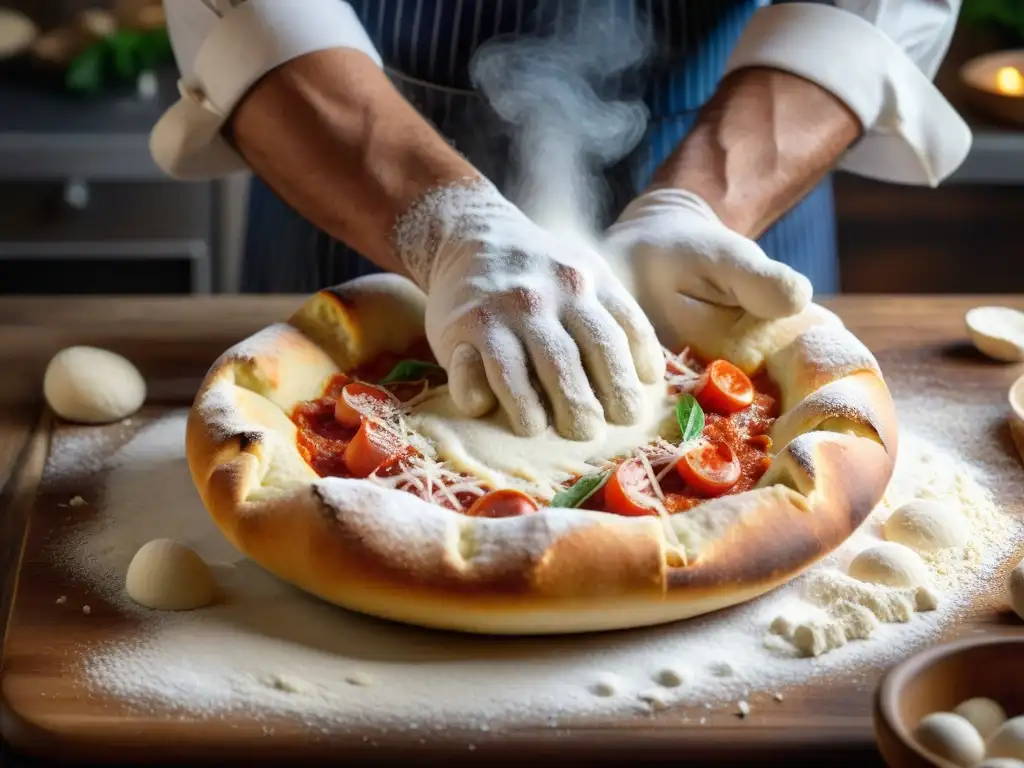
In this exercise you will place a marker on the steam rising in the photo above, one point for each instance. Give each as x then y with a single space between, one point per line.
570 103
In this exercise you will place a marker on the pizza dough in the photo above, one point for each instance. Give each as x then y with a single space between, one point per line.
17 33
893 565
926 526
488 448
1008 740
389 553
167 576
950 737
93 386
984 714
998 332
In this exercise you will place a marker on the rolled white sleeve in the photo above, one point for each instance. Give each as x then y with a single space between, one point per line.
223 47
878 57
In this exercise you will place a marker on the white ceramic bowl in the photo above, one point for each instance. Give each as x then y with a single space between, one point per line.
998 332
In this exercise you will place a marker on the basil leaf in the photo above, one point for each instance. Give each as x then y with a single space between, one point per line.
155 49
580 491
124 45
85 72
690 416
411 370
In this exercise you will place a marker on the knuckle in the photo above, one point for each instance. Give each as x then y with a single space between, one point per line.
523 300
571 279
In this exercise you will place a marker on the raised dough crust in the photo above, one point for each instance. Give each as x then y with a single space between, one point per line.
387 553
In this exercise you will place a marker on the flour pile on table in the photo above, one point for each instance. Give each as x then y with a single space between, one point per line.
267 648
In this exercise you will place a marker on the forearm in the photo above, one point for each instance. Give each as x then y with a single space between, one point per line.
330 134
761 143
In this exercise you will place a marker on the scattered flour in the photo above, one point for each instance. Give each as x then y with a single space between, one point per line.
268 649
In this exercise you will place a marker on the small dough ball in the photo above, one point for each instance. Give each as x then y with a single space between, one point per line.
891 564
167 576
1008 740
1017 589
950 737
926 526
1000 762
984 714
93 386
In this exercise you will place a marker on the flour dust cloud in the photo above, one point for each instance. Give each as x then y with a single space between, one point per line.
569 98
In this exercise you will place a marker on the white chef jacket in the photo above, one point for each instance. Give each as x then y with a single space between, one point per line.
876 56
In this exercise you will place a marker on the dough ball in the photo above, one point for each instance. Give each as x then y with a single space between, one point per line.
891 564
167 576
926 526
984 714
1008 740
1017 589
1000 762
93 386
950 737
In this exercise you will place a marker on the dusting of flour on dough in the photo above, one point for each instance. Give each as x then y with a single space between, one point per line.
247 652
488 448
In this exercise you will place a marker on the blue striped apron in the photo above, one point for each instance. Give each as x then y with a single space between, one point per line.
427 46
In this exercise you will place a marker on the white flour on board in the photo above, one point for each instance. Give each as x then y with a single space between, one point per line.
269 649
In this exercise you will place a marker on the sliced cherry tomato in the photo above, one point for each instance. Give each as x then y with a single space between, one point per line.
710 469
504 503
626 486
370 448
348 416
724 389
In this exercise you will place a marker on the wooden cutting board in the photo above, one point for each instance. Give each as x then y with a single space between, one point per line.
49 708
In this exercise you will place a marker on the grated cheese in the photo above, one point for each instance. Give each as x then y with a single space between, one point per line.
681 370
434 481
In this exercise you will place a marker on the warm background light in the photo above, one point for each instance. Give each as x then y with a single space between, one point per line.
1010 80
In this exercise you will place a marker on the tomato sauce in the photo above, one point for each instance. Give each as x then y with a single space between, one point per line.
745 431
322 440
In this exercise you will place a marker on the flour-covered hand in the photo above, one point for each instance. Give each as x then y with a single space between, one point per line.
669 242
516 314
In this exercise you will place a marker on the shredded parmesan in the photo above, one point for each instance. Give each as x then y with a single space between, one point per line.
430 480
681 370
421 474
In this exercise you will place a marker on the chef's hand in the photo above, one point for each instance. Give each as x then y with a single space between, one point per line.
508 302
669 242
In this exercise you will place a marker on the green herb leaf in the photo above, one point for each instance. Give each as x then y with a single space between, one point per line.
85 72
690 416
1005 15
581 490
155 49
124 46
411 370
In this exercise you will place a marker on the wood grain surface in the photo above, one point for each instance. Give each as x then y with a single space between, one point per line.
47 712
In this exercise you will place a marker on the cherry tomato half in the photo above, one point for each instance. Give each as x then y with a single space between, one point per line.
710 469
348 416
371 447
625 489
724 389
504 503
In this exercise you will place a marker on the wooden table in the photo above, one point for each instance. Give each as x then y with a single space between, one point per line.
174 340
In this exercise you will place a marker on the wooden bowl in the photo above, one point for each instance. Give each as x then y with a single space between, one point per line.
979 77
938 679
